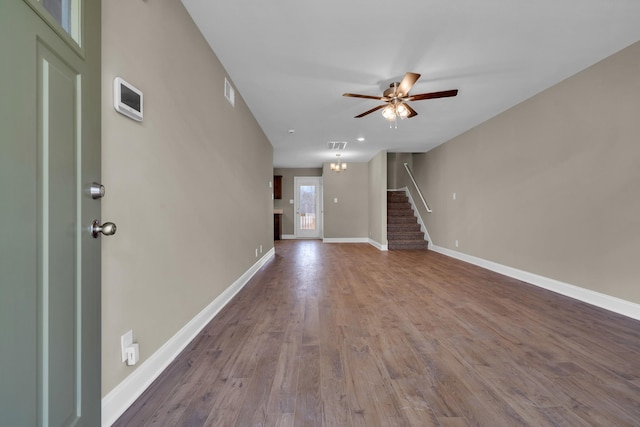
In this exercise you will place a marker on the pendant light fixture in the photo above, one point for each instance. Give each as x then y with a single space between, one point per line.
338 166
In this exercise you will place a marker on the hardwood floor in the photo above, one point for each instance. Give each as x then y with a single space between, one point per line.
345 335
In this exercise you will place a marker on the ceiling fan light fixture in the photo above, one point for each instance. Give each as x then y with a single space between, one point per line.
397 98
389 112
402 111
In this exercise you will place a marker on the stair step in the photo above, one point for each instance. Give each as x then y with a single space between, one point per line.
398 195
408 244
401 219
399 206
403 227
405 235
400 212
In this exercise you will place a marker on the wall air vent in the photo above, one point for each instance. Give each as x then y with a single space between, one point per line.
336 145
229 93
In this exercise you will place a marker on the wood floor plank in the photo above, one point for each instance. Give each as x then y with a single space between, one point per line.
282 397
413 403
361 377
346 335
334 394
309 410
254 408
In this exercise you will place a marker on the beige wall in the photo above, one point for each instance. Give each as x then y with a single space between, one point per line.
552 185
396 173
188 187
288 194
349 218
378 198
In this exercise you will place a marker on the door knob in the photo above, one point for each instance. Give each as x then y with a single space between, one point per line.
108 229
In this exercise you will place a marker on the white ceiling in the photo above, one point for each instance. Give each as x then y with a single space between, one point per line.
291 61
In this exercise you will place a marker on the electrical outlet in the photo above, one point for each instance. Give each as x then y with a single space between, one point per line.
456 243
125 342
260 248
133 354
256 252
454 196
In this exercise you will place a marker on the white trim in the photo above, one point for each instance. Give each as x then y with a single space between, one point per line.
617 305
345 240
288 237
378 245
124 394
423 227
355 240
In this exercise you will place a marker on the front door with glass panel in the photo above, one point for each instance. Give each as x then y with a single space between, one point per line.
308 207
49 262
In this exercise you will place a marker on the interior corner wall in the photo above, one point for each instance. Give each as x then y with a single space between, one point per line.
551 185
378 198
288 190
397 176
349 217
188 187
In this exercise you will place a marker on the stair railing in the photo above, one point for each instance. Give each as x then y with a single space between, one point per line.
406 166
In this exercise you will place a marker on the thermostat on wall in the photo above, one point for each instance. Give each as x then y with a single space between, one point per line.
127 99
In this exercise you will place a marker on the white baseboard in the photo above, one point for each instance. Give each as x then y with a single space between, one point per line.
345 240
288 236
124 394
614 304
350 240
379 246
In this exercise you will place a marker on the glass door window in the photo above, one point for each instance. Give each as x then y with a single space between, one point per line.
308 208
308 196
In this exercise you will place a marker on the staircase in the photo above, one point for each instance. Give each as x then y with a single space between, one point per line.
403 230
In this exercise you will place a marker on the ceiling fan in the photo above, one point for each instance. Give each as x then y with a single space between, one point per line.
397 96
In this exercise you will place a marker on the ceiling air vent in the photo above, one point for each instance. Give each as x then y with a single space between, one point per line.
336 145
229 93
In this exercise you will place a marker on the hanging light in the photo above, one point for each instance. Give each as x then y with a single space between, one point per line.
338 166
402 111
389 112
394 110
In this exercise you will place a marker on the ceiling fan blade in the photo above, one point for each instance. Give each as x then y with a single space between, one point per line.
406 84
432 95
412 112
370 111
355 95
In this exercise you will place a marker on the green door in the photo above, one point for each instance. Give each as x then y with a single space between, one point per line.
49 263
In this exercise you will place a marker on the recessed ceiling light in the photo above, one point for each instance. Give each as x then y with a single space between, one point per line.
292 130
361 138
